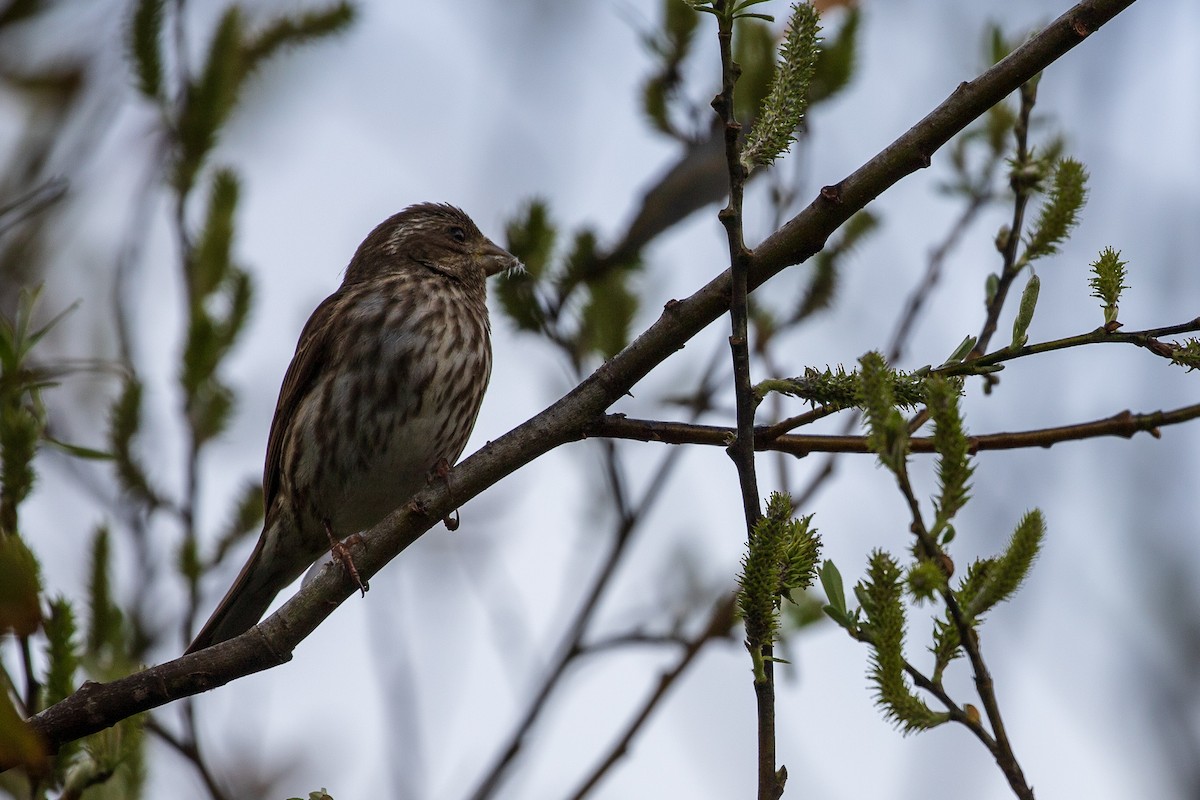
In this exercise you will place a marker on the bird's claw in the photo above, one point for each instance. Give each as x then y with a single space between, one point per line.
341 554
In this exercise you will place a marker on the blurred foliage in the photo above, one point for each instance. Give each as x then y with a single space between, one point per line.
579 293
112 638
780 560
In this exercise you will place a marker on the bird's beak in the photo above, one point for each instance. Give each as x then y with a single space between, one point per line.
496 259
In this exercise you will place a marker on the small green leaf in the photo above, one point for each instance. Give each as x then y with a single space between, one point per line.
1108 281
887 430
20 588
1010 569
292 31
607 315
754 51
246 518
951 444
20 744
531 237
210 261
782 111
831 583
124 422
1029 298
1187 354
210 98
104 623
1060 212
961 352
144 41
62 657
882 602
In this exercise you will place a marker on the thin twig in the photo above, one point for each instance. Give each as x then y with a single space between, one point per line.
1124 424
1022 190
741 450
98 706
719 625
628 519
984 685
188 748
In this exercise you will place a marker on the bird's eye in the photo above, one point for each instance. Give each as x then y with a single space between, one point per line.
457 234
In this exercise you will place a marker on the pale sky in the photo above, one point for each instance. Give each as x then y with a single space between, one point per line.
408 692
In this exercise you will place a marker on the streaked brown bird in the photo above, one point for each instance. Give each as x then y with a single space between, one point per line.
382 392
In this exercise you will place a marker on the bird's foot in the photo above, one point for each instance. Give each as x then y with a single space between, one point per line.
442 470
341 554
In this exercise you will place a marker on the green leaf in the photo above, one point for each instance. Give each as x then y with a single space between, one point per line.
1029 298
516 292
819 293
1010 569
210 262
104 618
880 593
124 422
1108 281
887 429
20 745
670 47
210 98
952 447
531 237
144 41
292 31
782 111
78 451
754 52
246 518
962 351
831 583
210 410
1060 212
990 287
608 314
20 588
1186 354
62 658
20 429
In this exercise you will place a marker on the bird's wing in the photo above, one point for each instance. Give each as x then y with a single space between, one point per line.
313 349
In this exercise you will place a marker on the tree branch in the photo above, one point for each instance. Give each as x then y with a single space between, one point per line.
1124 424
741 449
97 706
720 622
1003 753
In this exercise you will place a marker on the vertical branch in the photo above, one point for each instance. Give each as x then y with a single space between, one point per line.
742 450
770 782
1022 187
1002 751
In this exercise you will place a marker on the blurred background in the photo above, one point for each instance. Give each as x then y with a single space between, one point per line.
416 690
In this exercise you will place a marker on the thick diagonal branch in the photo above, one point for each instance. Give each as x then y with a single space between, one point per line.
98 706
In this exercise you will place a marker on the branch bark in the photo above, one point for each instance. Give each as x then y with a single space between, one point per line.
1124 424
97 706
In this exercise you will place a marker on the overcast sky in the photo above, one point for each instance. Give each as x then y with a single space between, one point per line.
488 104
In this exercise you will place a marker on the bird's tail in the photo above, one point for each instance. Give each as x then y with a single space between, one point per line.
247 600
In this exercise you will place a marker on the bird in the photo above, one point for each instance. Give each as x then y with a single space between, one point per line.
381 395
